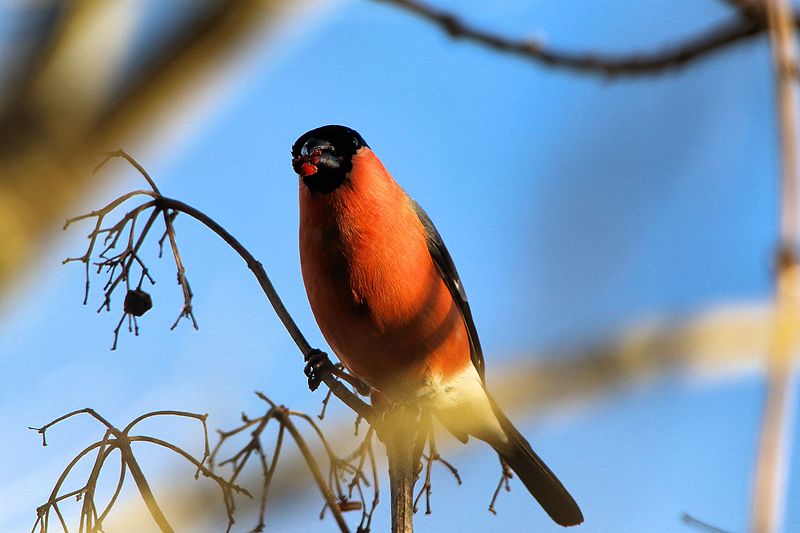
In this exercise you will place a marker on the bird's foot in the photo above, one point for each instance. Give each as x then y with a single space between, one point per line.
361 388
317 364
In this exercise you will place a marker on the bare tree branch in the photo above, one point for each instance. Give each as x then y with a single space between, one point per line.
748 22
120 441
775 441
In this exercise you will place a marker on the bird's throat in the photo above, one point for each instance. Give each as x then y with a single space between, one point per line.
325 181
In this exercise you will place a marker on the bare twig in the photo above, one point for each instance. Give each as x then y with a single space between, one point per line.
431 458
269 472
87 410
120 441
358 386
505 476
314 467
100 214
119 266
325 401
336 498
186 310
123 154
364 526
700 524
359 478
738 28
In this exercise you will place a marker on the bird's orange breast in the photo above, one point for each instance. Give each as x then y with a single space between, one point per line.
373 286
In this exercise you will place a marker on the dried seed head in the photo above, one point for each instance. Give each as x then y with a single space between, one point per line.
137 302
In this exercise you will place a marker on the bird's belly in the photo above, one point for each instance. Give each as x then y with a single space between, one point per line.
396 333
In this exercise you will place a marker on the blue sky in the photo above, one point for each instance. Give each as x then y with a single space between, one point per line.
574 207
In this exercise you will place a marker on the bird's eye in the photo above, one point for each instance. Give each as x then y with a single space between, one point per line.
324 149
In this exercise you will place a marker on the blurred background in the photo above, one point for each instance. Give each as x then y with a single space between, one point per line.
615 236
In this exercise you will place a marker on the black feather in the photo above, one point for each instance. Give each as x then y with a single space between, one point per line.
518 454
540 481
447 270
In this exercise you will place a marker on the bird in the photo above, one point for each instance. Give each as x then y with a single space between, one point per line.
388 300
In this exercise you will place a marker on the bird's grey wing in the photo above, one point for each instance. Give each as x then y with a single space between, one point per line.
447 270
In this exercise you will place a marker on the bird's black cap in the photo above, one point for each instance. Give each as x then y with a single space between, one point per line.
345 140
324 156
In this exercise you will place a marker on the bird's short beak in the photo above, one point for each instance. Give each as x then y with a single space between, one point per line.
315 156
306 165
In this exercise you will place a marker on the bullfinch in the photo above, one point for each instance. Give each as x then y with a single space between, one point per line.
389 302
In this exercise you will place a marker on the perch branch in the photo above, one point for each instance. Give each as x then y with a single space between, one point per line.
336 386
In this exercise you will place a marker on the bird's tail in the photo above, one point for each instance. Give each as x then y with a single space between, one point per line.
535 475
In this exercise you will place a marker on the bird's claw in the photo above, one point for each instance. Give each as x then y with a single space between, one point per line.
317 363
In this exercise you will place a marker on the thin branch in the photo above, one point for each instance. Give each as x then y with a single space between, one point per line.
700 524
186 310
227 487
269 472
141 483
112 501
775 443
87 410
710 40
100 215
314 467
505 476
426 486
339 469
123 154
42 512
325 401
364 526
184 414
116 440
432 457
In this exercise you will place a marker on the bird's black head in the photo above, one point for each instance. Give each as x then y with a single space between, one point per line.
324 156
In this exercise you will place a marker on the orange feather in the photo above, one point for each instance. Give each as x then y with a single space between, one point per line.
375 291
